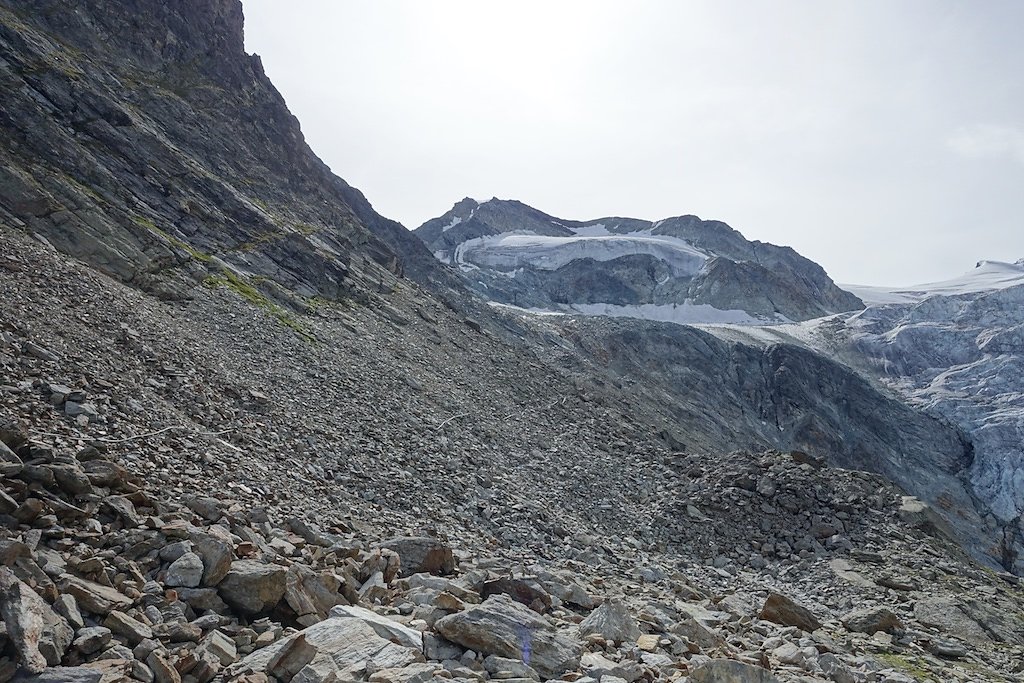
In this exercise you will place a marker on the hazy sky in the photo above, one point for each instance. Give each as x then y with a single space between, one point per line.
883 139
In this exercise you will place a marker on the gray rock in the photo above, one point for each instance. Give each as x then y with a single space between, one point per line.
612 621
339 646
186 571
871 620
62 674
782 610
730 671
253 587
133 630
504 627
422 555
92 639
93 597
382 626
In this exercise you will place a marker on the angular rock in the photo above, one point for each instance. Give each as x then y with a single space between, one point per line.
730 671
782 610
217 555
382 626
612 621
133 630
92 639
871 620
38 633
93 597
338 646
422 554
501 626
63 674
10 464
253 587
311 595
186 571
219 647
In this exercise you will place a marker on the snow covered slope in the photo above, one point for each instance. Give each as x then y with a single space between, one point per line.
956 350
679 269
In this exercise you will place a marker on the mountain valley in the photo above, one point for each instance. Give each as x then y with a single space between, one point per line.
251 430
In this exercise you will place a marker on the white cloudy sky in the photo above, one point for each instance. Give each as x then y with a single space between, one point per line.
884 140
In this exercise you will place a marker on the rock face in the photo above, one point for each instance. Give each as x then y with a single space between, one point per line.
682 269
253 587
612 621
506 628
956 349
422 555
121 146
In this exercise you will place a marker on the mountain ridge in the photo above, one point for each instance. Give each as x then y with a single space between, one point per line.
678 261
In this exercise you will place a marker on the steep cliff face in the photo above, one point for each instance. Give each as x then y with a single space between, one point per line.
139 136
681 268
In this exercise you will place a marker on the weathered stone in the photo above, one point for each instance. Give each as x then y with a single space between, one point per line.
339 646
414 673
730 671
133 630
382 626
217 555
504 627
422 555
612 621
186 571
163 671
63 674
520 591
253 587
598 666
871 620
311 594
71 478
203 599
782 610
10 464
40 636
218 646
92 639
93 597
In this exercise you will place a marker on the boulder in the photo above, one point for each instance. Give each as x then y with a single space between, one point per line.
782 610
253 587
185 572
502 626
730 671
422 554
871 620
40 636
338 646
612 621
93 597
382 626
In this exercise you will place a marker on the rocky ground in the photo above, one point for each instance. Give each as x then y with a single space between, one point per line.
204 490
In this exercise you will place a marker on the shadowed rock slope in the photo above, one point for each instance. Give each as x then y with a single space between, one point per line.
140 137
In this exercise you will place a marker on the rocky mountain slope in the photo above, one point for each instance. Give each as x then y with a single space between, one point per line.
679 269
139 137
252 431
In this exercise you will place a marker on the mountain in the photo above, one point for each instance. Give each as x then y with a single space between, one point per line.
680 269
139 137
252 431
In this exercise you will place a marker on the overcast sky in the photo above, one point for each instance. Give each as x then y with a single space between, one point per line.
884 140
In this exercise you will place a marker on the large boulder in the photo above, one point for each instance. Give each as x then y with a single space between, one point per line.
501 626
871 620
422 554
611 621
341 646
253 587
730 671
782 610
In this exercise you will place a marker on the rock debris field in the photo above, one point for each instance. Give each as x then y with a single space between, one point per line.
195 491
